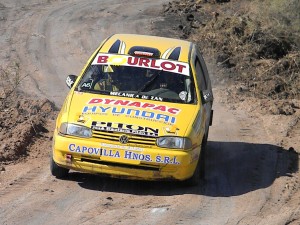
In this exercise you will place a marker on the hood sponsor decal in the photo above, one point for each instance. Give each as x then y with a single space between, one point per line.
136 104
125 128
132 113
103 106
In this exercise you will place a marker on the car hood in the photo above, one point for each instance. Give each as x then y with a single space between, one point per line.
131 115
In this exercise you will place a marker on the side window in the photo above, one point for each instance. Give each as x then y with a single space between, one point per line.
203 65
200 75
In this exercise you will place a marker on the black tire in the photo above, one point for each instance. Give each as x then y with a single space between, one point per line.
199 174
57 171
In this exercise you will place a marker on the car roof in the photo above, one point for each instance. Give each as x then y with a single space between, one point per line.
169 48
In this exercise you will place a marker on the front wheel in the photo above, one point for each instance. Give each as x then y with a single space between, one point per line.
57 171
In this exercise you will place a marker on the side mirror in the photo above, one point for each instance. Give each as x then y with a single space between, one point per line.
70 81
206 96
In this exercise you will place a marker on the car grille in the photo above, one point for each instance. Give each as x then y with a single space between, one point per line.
133 139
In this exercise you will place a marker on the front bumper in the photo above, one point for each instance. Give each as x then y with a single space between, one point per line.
117 160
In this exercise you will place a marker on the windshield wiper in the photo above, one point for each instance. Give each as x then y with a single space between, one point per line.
148 83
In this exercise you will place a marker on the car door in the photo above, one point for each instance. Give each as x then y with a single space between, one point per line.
204 85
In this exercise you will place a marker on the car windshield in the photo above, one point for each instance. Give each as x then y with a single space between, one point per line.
137 82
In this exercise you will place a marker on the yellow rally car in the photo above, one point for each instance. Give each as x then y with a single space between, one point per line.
141 109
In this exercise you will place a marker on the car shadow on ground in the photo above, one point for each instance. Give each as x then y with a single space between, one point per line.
232 169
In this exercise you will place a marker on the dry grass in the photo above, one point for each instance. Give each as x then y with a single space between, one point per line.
280 17
258 44
10 79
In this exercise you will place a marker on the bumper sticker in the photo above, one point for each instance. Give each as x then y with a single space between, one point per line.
124 154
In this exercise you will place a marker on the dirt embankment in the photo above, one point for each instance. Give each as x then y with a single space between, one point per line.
22 119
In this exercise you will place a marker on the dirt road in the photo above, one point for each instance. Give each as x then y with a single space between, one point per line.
250 180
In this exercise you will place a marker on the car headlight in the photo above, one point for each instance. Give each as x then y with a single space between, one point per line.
75 130
174 142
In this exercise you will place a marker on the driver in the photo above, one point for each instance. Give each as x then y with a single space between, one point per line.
108 80
172 82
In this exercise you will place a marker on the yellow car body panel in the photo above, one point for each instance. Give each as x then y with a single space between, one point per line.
140 121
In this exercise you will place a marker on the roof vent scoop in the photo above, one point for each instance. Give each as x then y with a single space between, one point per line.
175 54
172 53
144 52
117 47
